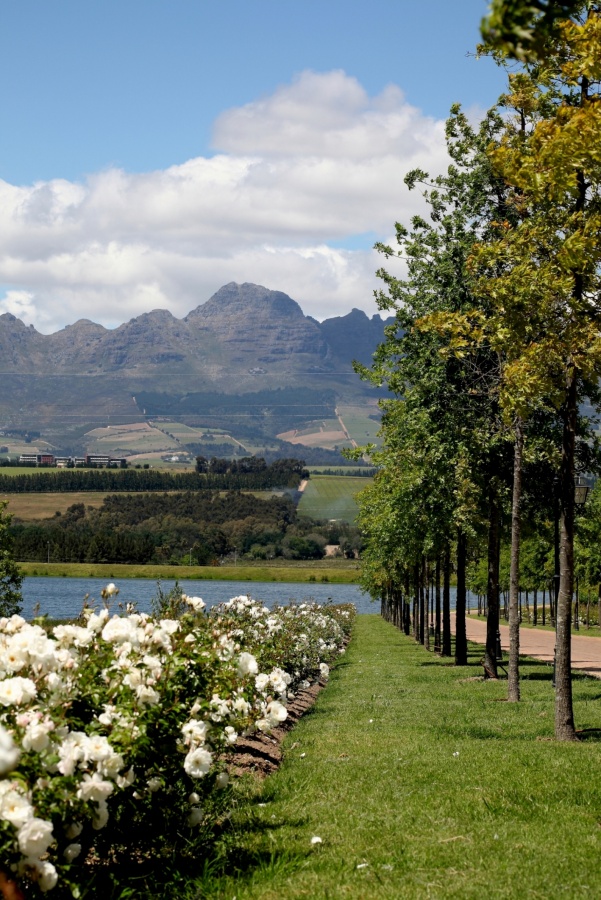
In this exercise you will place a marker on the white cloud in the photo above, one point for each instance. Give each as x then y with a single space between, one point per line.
313 164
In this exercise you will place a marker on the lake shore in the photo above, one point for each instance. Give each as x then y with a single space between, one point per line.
305 573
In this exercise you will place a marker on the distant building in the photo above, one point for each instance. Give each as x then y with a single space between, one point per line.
63 462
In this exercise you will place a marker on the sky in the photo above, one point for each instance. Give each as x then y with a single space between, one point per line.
155 150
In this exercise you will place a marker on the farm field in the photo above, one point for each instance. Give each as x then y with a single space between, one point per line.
30 507
358 424
136 437
326 433
332 497
187 434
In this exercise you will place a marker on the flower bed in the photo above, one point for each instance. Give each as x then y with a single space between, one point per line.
130 720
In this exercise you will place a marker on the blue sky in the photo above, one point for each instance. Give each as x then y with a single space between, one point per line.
154 150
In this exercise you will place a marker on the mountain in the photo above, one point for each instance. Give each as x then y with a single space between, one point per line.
245 341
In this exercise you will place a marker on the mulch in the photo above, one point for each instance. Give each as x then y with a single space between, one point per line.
260 753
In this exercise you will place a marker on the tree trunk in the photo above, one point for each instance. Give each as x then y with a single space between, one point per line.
446 602
437 626
416 602
460 633
424 631
492 591
564 711
513 671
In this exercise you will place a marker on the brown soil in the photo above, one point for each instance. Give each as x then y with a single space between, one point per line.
261 753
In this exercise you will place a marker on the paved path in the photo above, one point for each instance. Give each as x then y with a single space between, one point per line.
586 651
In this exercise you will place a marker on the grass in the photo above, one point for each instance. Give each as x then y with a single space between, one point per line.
360 427
420 785
332 497
318 571
29 507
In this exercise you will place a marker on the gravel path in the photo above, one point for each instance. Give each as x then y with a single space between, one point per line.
586 651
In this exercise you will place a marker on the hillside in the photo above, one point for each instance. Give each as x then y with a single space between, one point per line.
247 362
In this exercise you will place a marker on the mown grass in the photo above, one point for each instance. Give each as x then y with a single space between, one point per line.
332 497
310 572
421 784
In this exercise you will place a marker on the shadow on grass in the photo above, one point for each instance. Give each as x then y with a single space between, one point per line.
191 873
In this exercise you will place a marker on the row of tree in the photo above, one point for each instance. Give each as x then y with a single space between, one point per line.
251 474
497 341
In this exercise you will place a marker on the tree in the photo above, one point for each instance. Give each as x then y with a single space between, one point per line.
10 575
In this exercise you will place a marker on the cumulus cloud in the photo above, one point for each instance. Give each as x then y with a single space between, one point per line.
294 176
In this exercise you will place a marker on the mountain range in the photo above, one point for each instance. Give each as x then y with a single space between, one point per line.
245 340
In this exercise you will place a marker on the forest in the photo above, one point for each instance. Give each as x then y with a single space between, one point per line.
198 528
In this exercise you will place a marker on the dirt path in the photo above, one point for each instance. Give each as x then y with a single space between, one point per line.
586 651
344 428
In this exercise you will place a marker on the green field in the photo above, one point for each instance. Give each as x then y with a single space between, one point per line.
332 497
315 571
360 427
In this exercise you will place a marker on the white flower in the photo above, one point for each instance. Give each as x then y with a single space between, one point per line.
74 830
72 852
147 695
118 630
195 816
41 871
34 837
222 780
230 734
9 753
111 589
324 670
261 682
316 839
101 816
169 626
94 787
198 762
247 665
195 602
195 731
15 808
96 621
154 784
17 690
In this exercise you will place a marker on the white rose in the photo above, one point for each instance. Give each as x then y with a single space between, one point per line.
247 665
34 837
198 762
17 690
9 753
15 808
72 852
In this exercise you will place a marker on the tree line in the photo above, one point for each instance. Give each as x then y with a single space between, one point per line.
221 474
495 355
181 528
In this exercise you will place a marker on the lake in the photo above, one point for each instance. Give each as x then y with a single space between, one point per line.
62 598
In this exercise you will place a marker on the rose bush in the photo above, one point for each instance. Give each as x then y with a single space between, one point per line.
129 720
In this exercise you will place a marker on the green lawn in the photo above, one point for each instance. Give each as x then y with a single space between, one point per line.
332 497
420 785
307 572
